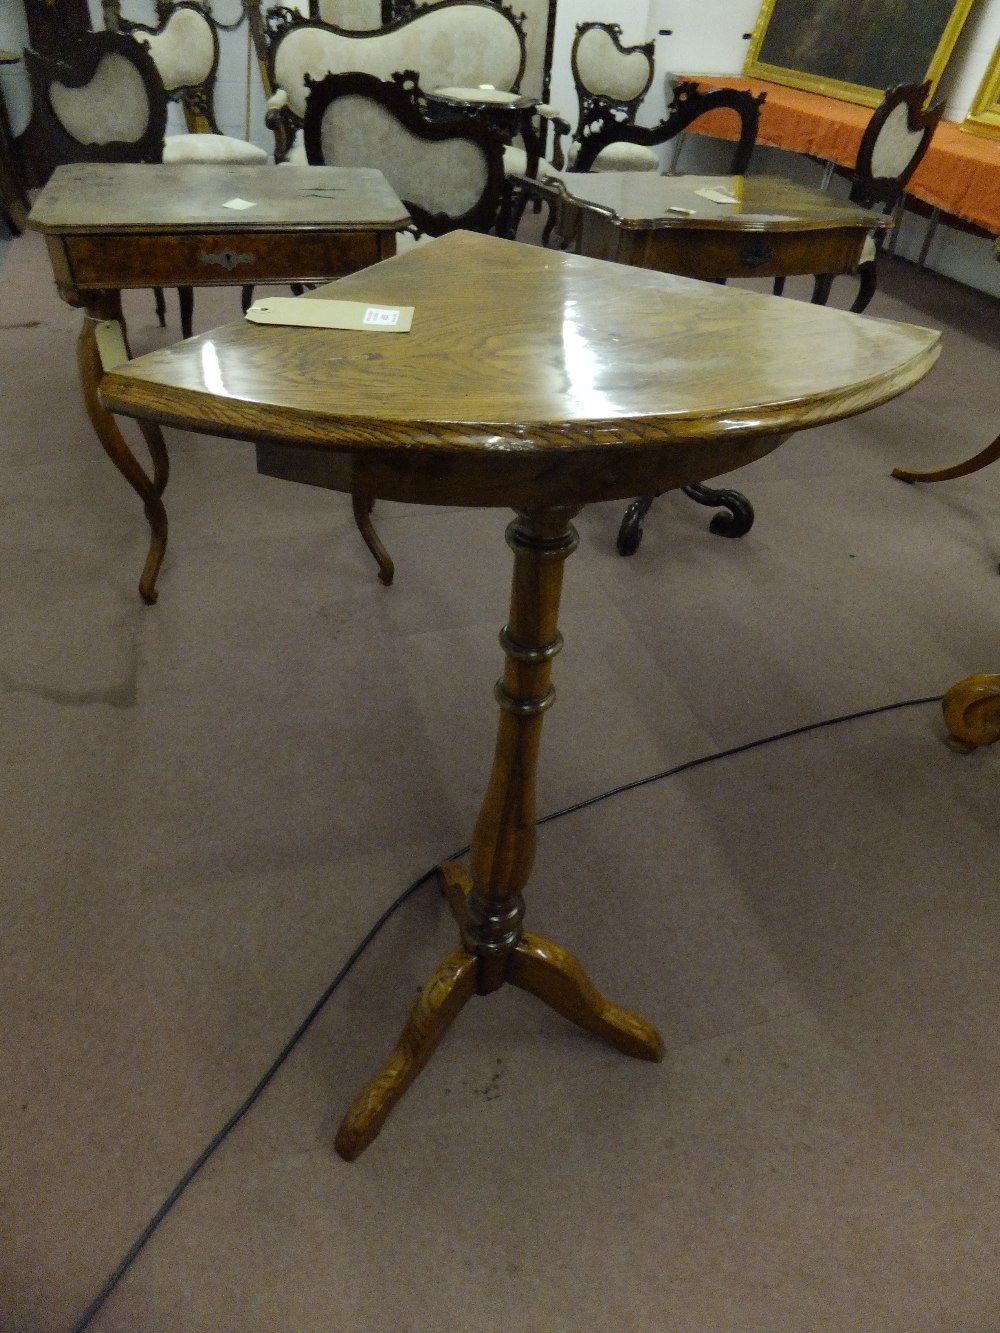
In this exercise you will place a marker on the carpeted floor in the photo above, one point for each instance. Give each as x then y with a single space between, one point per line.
206 804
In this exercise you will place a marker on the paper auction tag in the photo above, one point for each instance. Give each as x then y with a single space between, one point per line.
238 203
319 314
718 195
110 344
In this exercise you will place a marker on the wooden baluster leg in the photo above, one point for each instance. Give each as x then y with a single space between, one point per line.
487 901
103 306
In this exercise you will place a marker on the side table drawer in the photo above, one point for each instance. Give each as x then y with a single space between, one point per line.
217 259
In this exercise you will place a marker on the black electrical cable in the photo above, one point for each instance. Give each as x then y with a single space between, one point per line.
147 1233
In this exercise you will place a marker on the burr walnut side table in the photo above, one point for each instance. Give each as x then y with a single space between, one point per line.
538 382
123 225
772 228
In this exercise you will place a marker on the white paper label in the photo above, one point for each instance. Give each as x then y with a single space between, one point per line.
238 204
383 316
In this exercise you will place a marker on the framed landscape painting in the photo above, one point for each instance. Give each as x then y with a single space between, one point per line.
854 49
984 114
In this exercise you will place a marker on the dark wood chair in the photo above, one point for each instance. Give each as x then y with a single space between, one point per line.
448 171
104 102
892 147
184 46
688 105
611 80
735 518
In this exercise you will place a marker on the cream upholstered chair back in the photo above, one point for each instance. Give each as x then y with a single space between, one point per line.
447 171
357 15
184 47
894 142
457 43
607 73
611 80
104 103
185 50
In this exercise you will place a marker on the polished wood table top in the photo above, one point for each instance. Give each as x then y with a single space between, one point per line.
114 226
643 199
751 227
529 377
537 381
176 198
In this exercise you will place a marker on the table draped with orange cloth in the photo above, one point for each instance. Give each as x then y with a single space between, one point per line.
960 173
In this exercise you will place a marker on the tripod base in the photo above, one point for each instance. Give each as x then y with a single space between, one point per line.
535 965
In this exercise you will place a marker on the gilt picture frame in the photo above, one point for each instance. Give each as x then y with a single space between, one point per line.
854 49
983 116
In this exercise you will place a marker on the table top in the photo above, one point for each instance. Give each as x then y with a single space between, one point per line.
151 197
960 172
529 377
642 200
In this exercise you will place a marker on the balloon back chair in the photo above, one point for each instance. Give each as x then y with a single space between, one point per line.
892 147
448 171
184 46
611 80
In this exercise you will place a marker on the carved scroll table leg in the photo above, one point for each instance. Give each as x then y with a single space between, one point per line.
106 306
975 464
487 899
972 712
362 505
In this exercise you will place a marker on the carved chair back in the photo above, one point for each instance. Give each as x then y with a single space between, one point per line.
610 79
104 102
448 171
688 105
358 15
894 142
185 49
457 43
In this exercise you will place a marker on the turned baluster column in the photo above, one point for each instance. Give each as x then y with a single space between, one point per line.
503 843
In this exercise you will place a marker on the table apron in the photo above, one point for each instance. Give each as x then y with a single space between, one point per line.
713 254
213 259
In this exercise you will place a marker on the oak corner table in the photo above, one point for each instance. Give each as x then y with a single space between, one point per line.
540 382
115 226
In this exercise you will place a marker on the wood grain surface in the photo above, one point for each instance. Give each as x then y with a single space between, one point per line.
529 378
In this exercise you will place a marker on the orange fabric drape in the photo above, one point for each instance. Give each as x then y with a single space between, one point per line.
960 173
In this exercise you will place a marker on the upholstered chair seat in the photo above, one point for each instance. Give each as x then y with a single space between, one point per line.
212 148
185 51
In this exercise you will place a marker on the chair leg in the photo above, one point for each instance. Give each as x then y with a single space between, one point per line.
185 297
630 532
822 285
246 298
779 285
866 289
161 306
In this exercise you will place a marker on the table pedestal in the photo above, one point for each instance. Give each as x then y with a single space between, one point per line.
487 898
